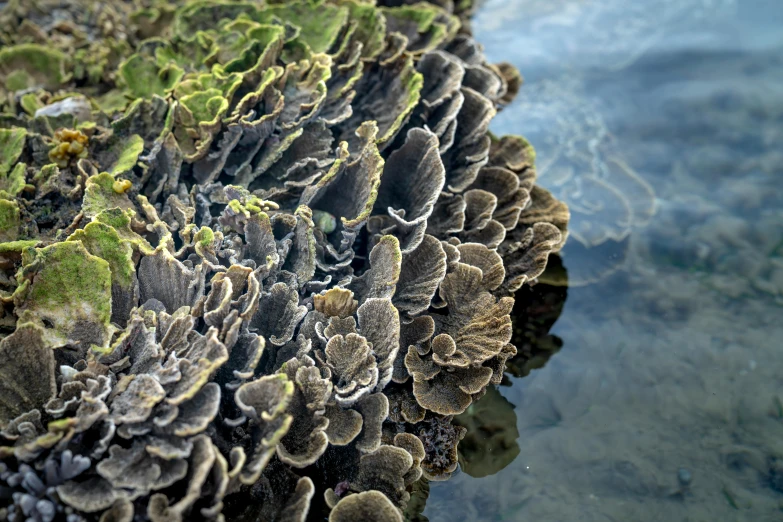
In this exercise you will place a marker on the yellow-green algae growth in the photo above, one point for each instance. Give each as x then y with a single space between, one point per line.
62 285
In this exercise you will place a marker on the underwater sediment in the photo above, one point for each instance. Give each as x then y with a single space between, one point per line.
255 256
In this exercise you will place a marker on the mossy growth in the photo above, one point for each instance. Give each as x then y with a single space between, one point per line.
64 288
143 78
100 195
12 143
29 66
9 220
120 221
103 241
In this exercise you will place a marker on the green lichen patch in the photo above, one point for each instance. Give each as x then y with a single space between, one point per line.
45 180
9 220
28 66
143 77
12 174
218 82
14 183
100 195
203 108
103 241
205 181
67 291
264 43
369 27
425 25
319 27
11 146
200 16
412 83
17 246
350 188
121 154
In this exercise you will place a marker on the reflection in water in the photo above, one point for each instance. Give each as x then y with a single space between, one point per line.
490 443
580 162
579 159
660 123
536 310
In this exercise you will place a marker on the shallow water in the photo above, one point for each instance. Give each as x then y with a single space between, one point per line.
658 392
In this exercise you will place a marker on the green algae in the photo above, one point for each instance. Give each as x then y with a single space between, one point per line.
12 143
9 220
319 27
99 195
144 78
17 246
63 287
27 66
103 241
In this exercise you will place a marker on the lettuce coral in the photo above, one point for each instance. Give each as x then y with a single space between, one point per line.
255 255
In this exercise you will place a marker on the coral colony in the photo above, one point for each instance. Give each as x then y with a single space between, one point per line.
254 256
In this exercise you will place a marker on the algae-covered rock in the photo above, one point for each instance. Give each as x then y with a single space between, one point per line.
66 291
29 66
103 241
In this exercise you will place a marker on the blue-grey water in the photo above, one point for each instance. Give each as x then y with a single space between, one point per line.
660 122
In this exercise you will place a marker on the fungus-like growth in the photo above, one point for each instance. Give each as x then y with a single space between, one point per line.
368 505
26 373
264 401
254 255
412 180
421 272
306 439
476 329
353 366
278 314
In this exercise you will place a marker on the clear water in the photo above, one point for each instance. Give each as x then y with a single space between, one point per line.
665 401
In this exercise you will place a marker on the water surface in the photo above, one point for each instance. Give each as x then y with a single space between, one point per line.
658 392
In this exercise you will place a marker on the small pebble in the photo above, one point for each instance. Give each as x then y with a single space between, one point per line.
684 476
